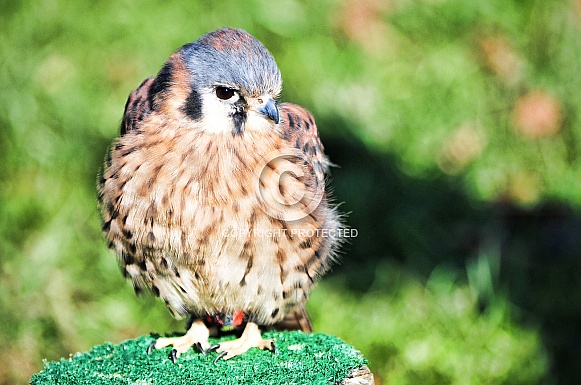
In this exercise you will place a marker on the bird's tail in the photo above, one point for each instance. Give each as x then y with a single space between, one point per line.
297 320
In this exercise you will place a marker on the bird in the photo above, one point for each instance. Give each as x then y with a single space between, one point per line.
215 195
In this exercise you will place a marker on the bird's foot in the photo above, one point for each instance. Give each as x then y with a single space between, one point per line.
250 338
196 336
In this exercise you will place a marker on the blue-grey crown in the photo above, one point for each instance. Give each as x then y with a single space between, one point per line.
234 58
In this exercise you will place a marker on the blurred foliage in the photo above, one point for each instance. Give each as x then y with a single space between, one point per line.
456 126
432 334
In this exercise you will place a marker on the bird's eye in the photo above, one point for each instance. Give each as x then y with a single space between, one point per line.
224 93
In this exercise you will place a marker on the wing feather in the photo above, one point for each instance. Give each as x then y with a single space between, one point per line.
299 129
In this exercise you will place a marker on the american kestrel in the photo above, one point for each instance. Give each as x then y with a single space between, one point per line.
213 197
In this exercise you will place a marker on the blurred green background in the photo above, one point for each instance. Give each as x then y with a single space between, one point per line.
457 129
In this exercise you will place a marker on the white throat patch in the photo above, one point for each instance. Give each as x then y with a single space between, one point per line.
216 113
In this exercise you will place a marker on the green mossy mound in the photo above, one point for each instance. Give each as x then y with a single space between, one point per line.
300 358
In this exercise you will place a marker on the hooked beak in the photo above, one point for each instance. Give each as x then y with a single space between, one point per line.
269 109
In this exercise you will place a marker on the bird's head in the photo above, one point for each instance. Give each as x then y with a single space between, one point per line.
226 81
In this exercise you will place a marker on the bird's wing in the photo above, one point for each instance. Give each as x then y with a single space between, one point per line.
299 129
138 107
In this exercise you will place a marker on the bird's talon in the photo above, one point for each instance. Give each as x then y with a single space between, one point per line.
199 347
173 356
220 356
151 347
213 348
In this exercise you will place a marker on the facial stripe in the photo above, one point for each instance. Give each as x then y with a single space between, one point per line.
239 116
161 84
193 105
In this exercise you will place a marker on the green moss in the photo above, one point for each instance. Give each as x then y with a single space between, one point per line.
300 358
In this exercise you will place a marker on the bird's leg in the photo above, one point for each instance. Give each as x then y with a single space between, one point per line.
196 335
250 338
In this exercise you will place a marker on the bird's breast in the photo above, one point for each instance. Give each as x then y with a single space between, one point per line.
186 217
